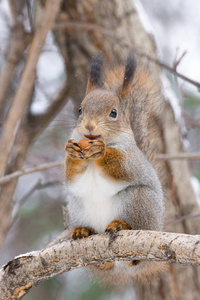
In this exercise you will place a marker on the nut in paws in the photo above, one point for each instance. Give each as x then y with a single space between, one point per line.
95 149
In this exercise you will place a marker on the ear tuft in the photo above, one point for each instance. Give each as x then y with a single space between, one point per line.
96 73
130 68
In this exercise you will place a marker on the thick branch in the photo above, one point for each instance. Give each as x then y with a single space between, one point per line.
20 274
18 42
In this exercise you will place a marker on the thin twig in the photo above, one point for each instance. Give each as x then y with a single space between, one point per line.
190 121
21 202
36 168
182 218
124 43
177 61
178 156
51 165
38 185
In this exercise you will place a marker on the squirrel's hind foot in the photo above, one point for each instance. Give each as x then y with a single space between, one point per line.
80 232
117 225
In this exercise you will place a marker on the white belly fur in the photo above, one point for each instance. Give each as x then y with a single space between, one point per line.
95 196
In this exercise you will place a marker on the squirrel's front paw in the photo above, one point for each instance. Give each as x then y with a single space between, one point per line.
80 232
117 225
96 149
73 149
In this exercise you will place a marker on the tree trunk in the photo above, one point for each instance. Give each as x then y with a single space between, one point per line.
123 27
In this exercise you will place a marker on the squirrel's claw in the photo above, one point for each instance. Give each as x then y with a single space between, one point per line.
73 149
113 228
80 232
96 149
117 225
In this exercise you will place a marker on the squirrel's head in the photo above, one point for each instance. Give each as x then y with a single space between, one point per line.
103 112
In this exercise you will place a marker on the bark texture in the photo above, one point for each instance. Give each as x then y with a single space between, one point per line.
18 276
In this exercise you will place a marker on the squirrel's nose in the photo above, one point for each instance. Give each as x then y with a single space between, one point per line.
90 126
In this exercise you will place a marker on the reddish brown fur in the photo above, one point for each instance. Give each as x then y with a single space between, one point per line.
111 165
117 225
143 97
74 168
89 87
80 232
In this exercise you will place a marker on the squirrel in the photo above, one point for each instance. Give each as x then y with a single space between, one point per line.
111 183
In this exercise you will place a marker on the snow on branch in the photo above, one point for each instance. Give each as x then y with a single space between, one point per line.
19 275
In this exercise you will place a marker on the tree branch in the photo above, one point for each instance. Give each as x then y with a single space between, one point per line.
178 156
19 275
182 218
125 44
36 168
55 164
37 186
26 83
18 43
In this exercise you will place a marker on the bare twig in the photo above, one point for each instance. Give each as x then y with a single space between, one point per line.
124 43
178 156
26 83
42 120
36 168
177 61
37 186
18 276
51 165
19 203
190 121
182 218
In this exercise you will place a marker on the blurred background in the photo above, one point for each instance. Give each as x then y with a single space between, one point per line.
37 210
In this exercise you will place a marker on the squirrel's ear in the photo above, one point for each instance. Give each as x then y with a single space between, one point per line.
128 75
95 79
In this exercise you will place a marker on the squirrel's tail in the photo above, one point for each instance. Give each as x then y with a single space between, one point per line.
119 274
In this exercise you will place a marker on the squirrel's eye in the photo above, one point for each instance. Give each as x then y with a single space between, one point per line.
113 113
80 111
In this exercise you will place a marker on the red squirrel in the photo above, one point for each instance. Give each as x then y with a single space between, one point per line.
111 184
